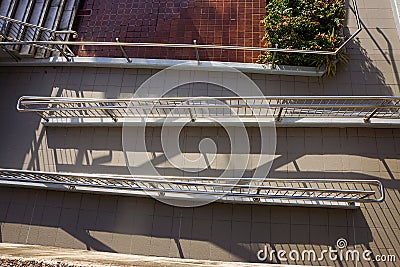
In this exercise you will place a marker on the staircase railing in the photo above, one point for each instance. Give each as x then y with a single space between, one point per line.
239 190
14 32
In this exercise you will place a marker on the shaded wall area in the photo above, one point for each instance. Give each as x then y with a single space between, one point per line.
216 231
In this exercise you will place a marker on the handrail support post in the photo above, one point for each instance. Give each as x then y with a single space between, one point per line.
273 57
277 119
123 51
108 113
42 116
368 119
192 117
197 53
62 51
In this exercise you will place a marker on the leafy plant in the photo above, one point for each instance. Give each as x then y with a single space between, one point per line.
304 25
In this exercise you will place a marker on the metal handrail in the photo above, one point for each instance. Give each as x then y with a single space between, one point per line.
196 46
74 33
16 32
192 108
257 190
359 28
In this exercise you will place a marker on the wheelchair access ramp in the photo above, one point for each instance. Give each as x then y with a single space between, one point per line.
287 111
344 193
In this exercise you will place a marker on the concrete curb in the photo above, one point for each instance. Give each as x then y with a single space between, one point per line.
204 122
143 63
53 255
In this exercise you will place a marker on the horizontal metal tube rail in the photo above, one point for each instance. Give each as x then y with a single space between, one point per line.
80 100
183 106
269 188
260 107
198 46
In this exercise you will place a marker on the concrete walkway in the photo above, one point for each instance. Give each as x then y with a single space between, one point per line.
222 22
52 256
373 55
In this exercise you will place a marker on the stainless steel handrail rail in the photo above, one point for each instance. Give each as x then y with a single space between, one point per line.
38 27
58 99
254 189
359 27
279 107
184 98
199 46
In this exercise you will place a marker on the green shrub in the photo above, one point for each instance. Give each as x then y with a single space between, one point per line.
304 24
